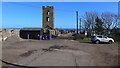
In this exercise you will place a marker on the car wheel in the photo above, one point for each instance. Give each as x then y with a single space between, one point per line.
110 42
97 42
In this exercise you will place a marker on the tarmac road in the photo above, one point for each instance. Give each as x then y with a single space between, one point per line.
58 52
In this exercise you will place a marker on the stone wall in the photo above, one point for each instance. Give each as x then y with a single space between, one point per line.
5 33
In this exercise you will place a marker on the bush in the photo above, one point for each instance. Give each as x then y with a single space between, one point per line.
80 36
116 34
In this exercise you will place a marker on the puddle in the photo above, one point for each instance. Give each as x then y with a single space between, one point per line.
58 47
51 48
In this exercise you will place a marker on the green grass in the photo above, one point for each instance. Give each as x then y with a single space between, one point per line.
118 42
83 40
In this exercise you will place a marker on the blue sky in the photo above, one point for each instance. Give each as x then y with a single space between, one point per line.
60 0
29 14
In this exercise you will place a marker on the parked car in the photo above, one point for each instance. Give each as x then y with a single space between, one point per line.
100 38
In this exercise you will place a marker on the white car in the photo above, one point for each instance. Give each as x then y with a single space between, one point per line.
99 38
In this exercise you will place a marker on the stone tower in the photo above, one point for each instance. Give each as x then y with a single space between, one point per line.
48 17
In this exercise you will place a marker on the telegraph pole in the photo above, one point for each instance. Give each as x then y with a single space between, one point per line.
77 20
80 24
119 14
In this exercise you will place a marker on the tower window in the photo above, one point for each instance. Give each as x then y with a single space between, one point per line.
48 13
48 19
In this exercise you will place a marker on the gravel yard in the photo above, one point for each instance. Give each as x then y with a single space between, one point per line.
58 52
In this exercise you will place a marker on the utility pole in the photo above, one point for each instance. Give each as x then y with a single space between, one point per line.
77 20
119 14
80 24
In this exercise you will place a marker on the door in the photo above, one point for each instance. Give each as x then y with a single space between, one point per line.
105 39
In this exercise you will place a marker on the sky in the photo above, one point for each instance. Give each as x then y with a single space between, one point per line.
29 14
60 0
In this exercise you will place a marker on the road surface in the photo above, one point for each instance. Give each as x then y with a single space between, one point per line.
58 52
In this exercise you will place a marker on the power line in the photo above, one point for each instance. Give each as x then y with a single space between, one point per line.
24 4
63 10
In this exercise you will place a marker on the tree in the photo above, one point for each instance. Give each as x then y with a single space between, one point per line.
108 19
116 21
115 32
99 26
101 22
89 20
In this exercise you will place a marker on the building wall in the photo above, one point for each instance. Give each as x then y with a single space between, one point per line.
29 34
5 33
47 16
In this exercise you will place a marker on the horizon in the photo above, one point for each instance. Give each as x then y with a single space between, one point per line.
29 14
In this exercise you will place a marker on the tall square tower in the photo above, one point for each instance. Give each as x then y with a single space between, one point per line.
48 17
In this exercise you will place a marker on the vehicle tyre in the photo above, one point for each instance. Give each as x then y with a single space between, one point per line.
110 42
97 42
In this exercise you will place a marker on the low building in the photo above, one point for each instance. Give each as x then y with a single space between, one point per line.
36 33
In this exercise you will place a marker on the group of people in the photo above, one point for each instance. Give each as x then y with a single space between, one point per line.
45 37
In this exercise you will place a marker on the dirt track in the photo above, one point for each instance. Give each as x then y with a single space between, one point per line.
59 52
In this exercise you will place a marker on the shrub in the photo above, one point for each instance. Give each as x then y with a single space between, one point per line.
80 36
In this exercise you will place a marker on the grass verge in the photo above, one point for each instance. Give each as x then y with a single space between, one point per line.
83 40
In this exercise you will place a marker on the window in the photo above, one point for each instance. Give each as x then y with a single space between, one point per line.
48 13
104 37
99 36
48 19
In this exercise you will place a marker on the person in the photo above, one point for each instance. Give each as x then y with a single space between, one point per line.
40 37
